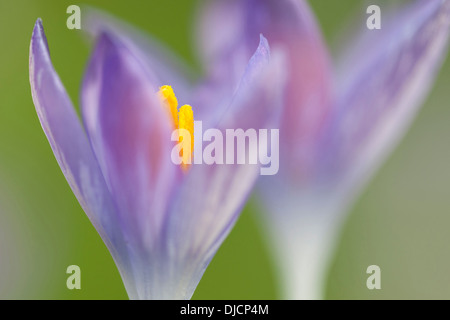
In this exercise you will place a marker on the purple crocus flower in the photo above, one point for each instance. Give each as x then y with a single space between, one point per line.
162 224
337 127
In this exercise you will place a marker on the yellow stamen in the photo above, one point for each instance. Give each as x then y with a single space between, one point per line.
186 122
171 103
183 120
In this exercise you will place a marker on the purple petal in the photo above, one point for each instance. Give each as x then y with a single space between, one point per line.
257 101
383 91
161 63
68 139
130 132
228 25
211 197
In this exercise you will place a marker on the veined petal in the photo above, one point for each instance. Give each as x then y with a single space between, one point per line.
211 197
226 26
383 92
130 132
68 140
159 62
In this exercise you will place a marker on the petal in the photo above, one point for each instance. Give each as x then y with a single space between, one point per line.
257 100
382 93
130 132
68 139
160 62
227 26
211 197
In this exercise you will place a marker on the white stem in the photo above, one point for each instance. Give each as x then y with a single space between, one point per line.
303 250
304 233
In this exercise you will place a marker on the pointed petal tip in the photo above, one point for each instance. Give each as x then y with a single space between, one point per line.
107 38
263 40
262 53
38 46
108 43
264 44
104 39
38 32
38 26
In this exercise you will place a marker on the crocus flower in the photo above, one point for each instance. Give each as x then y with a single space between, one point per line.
337 127
161 222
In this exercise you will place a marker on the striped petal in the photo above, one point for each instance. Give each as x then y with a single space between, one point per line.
130 132
68 139
210 199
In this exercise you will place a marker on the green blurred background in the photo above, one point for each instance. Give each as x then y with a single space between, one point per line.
400 223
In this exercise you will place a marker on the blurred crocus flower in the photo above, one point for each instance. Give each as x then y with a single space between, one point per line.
337 127
161 222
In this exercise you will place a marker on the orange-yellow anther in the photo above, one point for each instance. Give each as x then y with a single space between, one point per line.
186 122
170 102
183 120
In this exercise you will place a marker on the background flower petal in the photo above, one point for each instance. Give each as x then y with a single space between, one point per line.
381 93
229 29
